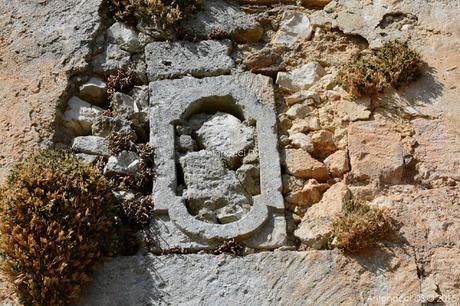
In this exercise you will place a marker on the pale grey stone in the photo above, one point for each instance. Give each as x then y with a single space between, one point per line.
80 115
295 27
124 36
185 143
264 278
300 78
221 16
110 60
226 135
93 145
302 141
249 176
86 158
209 185
179 58
94 91
105 125
125 163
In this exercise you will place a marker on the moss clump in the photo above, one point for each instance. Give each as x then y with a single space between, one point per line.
359 226
57 218
392 65
160 13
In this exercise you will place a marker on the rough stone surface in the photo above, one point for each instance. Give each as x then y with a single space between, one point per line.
249 176
226 135
126 163
302 141
294 27
299 163
91 145
323 142
376 152
94 91
281 278
213 192
125 37
316 226
219 16
301 78
176 59
438 149
105 125
80 115
338 163
354 110
111 59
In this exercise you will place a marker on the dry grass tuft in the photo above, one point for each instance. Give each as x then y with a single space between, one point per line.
359 226
392 65
57 219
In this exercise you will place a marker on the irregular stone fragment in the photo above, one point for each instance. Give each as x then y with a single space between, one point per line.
126 163
302 141
299 163
219 16
80 115
94 91
295 27
226 135
301 96
140 95
338 163
124 36
301 78
93 145
376 152
185 143
323 141
110 60
249 176
429 290
354 110
105 125
298 111
86 158
211 186
438 149
292 183
316 226
179 58
304 125
314 191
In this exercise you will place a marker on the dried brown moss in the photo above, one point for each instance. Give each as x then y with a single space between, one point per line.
120 81
57 217
392 65
160 13
360 226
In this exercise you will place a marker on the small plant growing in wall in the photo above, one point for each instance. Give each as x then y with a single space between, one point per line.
57 218
160 13
394 64
359 226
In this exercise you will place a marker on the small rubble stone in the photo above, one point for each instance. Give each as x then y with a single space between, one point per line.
301 96
124 36
105 125
292 183
249 176
111 59
305 125
316 226
93 145
87 158
429 290
314 191
299 163
298 111
295 27
323 141
94 91
226 135
126 163
302 141
180 58
354 110
338 163
185 143
301 78
376 152
219 16
80 116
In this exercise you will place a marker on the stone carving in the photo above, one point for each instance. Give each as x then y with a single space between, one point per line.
204 192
